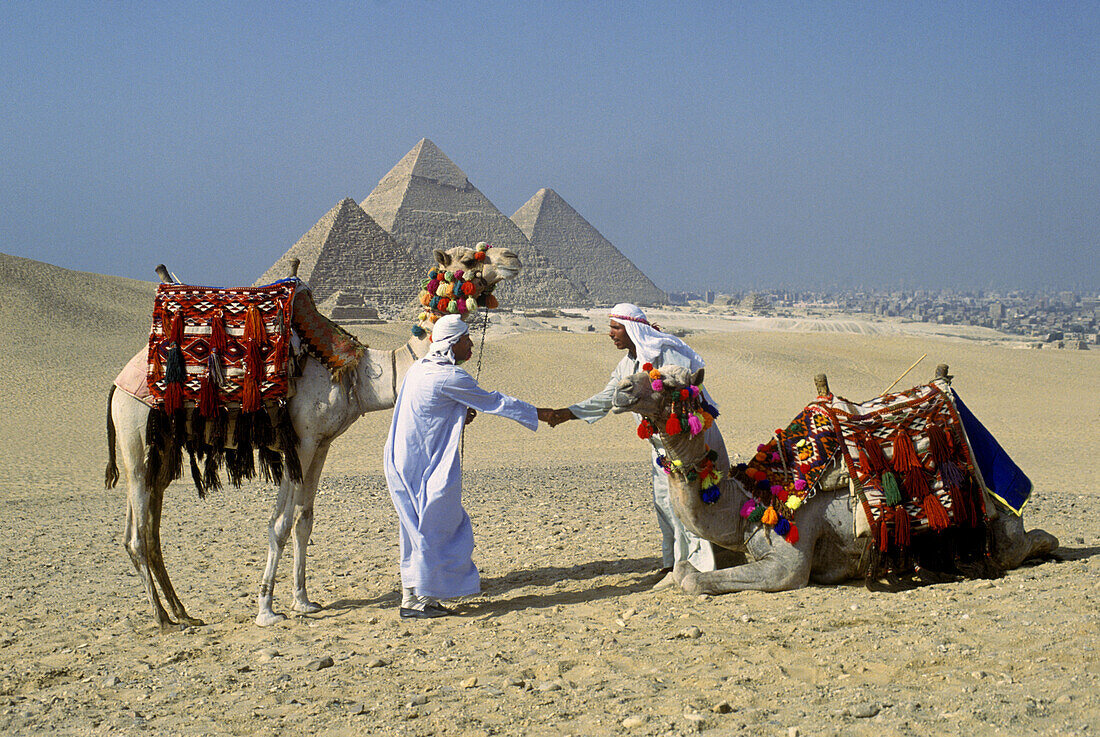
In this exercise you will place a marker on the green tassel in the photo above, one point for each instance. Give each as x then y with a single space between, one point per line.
890 491
757 514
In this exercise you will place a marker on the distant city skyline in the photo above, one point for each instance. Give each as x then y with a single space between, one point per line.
718 146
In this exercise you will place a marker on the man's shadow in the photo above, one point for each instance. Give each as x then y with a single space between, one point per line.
644 574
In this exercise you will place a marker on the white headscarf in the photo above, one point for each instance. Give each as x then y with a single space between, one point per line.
447 331
648 341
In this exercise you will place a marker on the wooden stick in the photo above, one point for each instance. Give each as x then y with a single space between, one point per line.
905 372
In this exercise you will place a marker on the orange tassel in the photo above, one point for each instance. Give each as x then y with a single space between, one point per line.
217 332
885 515
173 397
915 484
876 458
934 511
770 517
902 529
158 367
175 329
250 395
254 329
905 454
207 400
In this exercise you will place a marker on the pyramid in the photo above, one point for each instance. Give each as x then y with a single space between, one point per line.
427 202
588 259
348 252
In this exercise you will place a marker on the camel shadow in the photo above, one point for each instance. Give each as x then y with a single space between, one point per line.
643 571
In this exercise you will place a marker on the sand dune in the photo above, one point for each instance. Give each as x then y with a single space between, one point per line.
568 636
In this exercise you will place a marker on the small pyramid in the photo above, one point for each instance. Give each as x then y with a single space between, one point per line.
427 202
348 252
590 261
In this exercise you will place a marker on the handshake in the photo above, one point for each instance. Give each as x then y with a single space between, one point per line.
554 417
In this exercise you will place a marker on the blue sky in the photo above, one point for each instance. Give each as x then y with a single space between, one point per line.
718 145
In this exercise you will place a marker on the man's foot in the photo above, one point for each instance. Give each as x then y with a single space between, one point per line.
425 613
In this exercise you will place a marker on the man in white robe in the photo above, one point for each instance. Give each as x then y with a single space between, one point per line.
424 470
629 330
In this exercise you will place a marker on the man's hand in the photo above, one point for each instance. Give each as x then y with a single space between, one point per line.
546 415
471 413
559 416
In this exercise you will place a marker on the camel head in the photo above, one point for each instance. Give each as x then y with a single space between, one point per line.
655 398
462 281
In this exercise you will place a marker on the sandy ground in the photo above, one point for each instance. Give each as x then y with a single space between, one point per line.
568 636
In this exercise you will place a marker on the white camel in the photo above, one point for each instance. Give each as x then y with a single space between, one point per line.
826 551
320 411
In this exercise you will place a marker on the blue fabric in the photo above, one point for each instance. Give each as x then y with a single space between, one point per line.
1002 476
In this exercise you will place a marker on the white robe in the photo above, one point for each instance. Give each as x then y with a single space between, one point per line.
424 473
677 542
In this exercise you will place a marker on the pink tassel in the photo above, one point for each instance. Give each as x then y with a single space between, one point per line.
747 508
695 424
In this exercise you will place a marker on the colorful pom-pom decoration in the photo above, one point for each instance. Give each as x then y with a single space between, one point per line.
695 424
800 484
645 430
794 502
647 367
672 425
792 535
782 527
658 385
418 331
747 507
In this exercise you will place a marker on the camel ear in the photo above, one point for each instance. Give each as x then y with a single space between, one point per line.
441 257
697 378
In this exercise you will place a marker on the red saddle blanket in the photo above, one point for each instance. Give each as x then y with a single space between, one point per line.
232 345
907 454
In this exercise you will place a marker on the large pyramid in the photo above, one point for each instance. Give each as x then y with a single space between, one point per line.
348 252
590 261
426 202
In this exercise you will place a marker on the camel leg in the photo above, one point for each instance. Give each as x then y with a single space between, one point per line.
139 520
157 560
278 530
1012 544
303 528
778 570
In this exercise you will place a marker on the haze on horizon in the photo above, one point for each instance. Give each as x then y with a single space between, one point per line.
718 146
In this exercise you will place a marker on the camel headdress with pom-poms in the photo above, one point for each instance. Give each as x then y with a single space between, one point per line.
461 282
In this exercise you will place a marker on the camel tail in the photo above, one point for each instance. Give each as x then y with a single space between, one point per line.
110 476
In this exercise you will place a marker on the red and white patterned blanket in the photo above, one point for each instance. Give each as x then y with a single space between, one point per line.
235 341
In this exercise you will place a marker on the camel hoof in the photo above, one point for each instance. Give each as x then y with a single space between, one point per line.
168 625
266 619
691 583
682 569
307 607
187 621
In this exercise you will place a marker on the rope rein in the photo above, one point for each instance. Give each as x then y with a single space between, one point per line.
477 376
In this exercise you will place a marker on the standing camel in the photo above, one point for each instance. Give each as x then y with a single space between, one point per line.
320 411
826 549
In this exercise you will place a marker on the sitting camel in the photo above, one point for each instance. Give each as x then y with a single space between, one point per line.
320 411
825 550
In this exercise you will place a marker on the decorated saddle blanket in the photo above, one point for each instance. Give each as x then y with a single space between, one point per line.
907 455
331 344
222 345
335 347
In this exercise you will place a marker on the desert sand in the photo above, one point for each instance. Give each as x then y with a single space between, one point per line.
568 636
